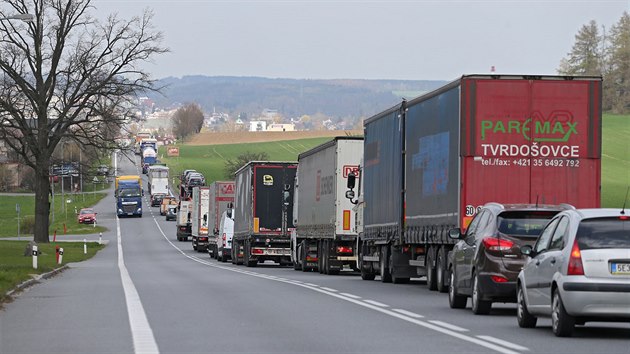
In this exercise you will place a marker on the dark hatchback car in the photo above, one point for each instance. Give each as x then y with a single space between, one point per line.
485 263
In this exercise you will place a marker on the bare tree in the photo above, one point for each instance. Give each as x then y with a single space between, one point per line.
68 76
187 120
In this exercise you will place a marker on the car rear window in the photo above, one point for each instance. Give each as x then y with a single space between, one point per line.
603 233
524 223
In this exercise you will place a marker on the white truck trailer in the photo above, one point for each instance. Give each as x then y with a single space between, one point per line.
325 227
200 218
158 183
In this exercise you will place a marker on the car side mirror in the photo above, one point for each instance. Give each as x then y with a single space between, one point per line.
455 233
352 180
528 251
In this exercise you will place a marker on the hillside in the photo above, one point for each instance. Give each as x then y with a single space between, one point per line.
211 138
291 97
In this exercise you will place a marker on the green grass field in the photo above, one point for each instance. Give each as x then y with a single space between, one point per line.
9 220
210 159
16 268
615 159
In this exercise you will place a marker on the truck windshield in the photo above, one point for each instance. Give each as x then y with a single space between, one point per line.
129 192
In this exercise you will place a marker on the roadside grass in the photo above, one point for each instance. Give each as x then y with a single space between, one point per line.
210 159
615 159
9 219
16 268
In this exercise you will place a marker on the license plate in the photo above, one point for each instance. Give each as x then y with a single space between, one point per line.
620 268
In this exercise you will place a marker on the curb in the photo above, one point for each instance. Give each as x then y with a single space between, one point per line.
35 280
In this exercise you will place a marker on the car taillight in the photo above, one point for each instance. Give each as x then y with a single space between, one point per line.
575 261
203 239
497 244
344 249
499 279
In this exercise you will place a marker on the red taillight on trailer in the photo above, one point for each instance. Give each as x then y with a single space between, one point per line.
499 279
224 236
344 249
575 261
497 244
182 228
311 259
257 251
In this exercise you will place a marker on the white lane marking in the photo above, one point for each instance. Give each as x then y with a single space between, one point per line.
328 289
376 303
503 343
350 295
449 326
315 287
408 313
141 332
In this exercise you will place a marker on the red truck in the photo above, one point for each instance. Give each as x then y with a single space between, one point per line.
432 162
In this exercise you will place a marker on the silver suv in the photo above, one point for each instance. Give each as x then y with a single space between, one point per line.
578 271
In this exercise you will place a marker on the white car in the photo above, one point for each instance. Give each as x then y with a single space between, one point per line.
578 271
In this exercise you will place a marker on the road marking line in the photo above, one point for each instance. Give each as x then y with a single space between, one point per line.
408 313
376 303
328 289
141 332
315 287
449 326
503 343
350 295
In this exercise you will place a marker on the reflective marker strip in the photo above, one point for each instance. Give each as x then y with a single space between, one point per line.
346 219
141 332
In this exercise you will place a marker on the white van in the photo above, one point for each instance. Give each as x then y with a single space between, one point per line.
224 239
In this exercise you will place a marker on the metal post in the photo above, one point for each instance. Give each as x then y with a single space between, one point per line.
53 200
35 252
17 208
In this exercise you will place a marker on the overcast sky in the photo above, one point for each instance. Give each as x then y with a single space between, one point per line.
380 39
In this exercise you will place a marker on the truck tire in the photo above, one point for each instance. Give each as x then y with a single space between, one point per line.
234 252
392 270
249 262
440 271
303 254
365 275
320 256
431 283
386 276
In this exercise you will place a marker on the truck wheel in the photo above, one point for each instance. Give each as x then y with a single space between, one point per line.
386 276
303 253
249 262
234 252
479 306
194 245
320 256
395 279
431 283
365 275
440 271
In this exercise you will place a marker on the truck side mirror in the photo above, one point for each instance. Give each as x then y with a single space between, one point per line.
352 179
230 205
229 213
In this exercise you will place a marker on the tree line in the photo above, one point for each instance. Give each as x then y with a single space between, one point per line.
603 52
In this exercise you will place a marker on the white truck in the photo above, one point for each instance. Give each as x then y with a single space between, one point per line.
221 195
226 232
158 183
200 218
183 222
325 227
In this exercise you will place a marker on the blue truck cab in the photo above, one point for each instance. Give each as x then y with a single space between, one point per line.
129 198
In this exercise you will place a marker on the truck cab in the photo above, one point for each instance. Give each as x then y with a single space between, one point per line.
129 199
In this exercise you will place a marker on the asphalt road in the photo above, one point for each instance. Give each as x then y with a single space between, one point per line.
161 296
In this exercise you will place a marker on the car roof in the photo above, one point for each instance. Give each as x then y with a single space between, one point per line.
528 207
601 212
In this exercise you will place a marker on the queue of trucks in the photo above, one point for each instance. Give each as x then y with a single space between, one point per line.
383 204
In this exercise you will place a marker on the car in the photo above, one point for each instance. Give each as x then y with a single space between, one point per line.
102 170
184 174
485 262
86 216
171 213
578 271
195 179
224 238
156 199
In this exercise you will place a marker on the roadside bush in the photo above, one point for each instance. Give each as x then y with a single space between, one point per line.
27 224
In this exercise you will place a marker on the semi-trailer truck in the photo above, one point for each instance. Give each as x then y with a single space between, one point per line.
183 222
128 193
200 207
432 162
158 183
263 211
325 232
